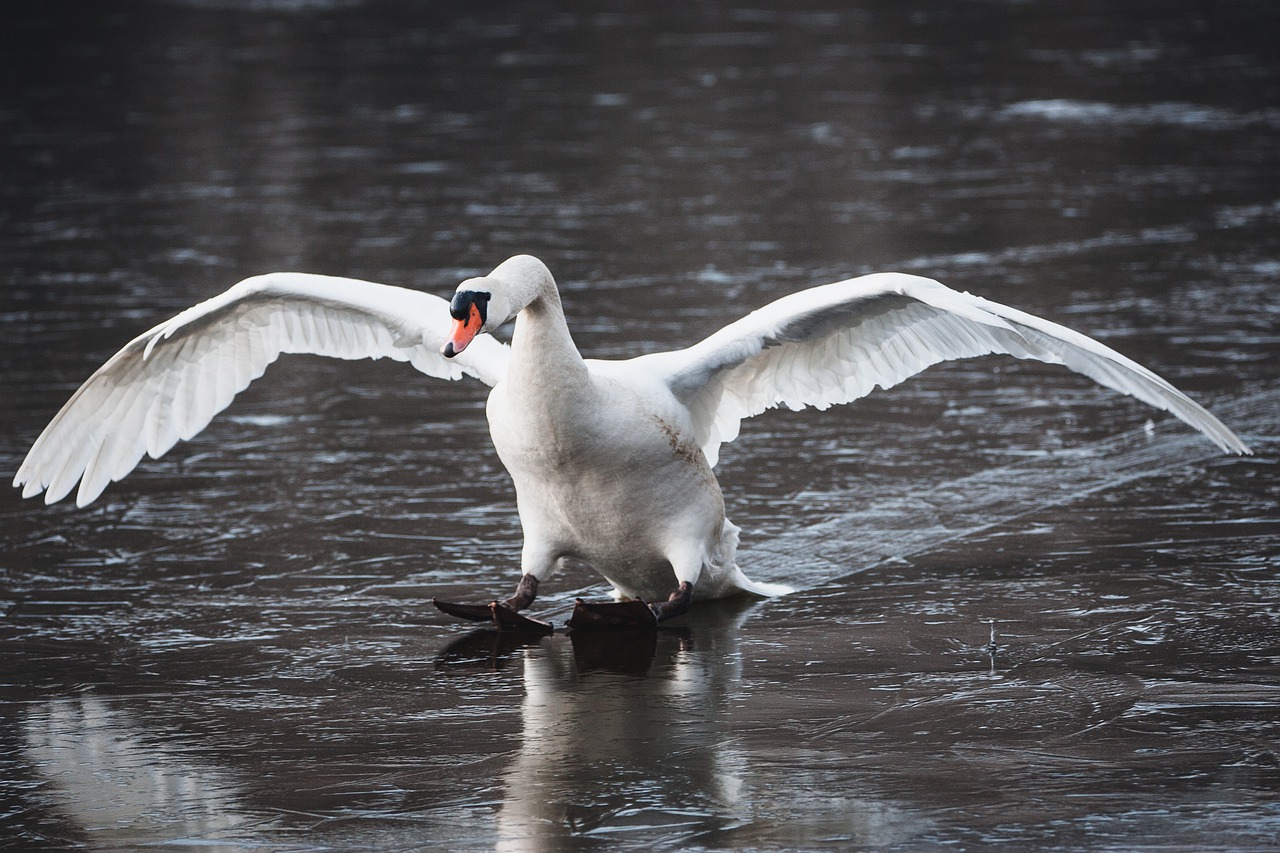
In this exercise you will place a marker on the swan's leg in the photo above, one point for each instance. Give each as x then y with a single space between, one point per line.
676 604
503 614
526 592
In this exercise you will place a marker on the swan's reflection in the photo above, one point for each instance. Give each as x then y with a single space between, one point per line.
122 787
625 735
636 742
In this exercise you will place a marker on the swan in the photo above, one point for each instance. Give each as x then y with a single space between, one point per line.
612 460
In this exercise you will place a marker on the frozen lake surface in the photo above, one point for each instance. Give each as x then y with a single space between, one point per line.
1029 612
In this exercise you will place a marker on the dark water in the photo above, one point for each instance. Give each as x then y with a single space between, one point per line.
235 646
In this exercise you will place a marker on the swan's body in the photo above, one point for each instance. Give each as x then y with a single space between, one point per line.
606 470
612 460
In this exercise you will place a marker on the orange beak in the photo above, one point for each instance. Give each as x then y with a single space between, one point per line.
463 332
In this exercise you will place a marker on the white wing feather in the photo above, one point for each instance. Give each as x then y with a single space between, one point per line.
169 382
836 343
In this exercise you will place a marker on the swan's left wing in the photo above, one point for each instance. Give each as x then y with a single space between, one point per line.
836 343
169 382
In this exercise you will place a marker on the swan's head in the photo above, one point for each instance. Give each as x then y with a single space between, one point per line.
483 304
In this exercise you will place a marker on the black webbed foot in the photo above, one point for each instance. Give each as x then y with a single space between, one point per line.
470 612
612 616
503 614
508 620
630 615
499 614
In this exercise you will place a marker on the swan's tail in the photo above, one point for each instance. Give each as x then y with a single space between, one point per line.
737 580
765 590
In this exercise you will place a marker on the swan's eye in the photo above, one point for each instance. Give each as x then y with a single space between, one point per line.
463 300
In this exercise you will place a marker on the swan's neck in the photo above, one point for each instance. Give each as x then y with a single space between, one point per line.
542 350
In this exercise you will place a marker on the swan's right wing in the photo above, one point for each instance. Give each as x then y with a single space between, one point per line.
169 382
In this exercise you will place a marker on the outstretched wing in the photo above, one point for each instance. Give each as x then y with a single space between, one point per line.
836 343
169 382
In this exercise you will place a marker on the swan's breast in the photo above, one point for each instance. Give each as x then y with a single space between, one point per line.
610 473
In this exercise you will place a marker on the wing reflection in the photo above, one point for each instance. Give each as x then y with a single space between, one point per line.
120 784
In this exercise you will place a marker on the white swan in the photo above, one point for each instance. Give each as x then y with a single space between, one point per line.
612 460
